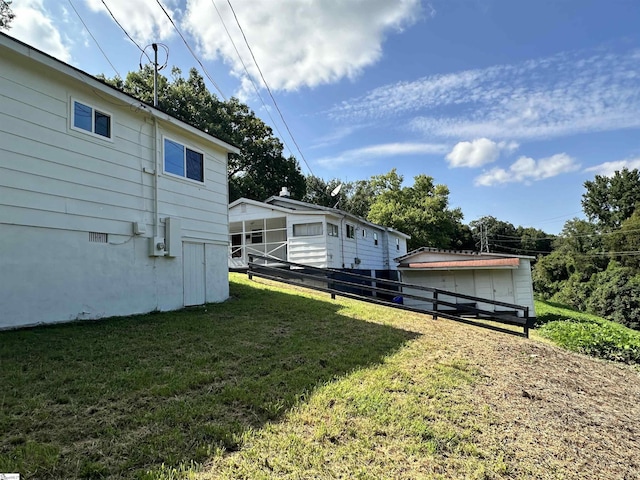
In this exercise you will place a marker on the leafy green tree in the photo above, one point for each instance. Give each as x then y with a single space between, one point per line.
260 170
616 295
6 14
609 201
319 192
625 242
421 210
502 236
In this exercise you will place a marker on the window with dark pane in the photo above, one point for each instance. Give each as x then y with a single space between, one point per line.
195 165
102 124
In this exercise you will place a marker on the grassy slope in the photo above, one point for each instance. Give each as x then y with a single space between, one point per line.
589 334
276 382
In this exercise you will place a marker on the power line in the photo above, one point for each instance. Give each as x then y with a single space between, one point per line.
193 54
255 87
268 89
122 28
593 254
94 39
507 238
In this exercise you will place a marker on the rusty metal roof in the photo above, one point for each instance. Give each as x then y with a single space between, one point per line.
472 263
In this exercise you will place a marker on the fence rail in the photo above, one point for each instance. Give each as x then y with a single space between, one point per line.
392 293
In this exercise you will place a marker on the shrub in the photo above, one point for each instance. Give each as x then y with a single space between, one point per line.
616 295
588 334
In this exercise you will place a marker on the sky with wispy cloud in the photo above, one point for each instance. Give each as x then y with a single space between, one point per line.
513 105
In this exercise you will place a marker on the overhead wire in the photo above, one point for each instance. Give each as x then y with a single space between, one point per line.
122 28
244 66
268 89
94 39
193 54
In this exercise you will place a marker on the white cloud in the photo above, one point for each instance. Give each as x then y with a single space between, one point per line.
560 95
478 152
526 169
298 43
366 155
34 25
608 169
144 20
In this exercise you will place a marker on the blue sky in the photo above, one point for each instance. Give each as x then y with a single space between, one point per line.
512 104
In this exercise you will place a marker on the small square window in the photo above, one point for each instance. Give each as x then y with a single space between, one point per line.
351 231
91 120
183 161
332 230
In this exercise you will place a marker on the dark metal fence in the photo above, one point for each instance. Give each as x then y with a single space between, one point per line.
455 306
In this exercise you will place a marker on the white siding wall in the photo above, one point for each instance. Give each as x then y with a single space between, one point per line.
524 286
393 250
307 250
58 184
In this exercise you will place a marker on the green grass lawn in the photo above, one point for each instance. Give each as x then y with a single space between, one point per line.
586 333
277 382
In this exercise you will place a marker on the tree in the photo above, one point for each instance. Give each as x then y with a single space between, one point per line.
625 242
260 170
501 236
6 15
319 192
609 201
421 210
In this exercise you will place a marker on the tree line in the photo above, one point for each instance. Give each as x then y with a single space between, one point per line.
592 265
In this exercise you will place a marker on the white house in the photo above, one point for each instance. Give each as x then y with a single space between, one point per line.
299 232
494 276
107 206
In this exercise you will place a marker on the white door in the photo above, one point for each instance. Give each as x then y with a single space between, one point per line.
503 287
193 268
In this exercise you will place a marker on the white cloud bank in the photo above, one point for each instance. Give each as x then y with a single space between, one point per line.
143 20
526 170
33 25
367 155
564 94
478 152
296 43
608 169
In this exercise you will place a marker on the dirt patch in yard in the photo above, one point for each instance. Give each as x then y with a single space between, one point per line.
553 413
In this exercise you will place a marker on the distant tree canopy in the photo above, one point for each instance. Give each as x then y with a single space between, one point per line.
6 15
421 210
609 201
503 237
260 170
595 263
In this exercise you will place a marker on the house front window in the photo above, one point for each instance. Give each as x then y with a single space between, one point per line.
307 229
89 119
351 231
183 161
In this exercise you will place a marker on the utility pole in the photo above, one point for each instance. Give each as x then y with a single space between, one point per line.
155 74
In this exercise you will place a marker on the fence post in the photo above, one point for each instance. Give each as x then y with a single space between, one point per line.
435 304
527 321
250 266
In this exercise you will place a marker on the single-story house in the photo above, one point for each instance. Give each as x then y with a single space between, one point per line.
285 229
494 276
108 206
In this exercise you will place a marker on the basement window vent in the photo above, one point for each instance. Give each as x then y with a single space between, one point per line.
97 237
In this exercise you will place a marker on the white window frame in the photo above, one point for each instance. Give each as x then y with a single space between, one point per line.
333 230
306 226
375 238
351 234
397 244
186 146
364 233
92 132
